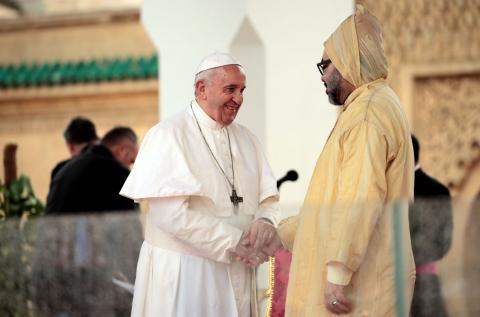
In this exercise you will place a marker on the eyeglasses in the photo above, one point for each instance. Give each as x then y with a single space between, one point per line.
323 65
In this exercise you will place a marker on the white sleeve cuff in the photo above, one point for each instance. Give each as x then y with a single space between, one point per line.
339 274
269 211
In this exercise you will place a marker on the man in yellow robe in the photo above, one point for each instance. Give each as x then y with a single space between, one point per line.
343 239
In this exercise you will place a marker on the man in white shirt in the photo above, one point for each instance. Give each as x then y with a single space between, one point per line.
207 184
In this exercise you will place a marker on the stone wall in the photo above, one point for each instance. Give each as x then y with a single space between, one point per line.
434 53
35 117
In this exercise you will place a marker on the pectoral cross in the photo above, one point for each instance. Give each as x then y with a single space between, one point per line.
235 199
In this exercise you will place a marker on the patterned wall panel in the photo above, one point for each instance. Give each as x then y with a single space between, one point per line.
447 121
446 109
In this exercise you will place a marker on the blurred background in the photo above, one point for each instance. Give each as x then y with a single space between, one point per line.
95 58
59 59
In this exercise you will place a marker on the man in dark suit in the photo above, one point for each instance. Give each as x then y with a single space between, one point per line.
89 182
431 232
79 135
92 181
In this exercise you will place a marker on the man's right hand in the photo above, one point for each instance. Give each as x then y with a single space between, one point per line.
274 245
253 256
248 255
261 233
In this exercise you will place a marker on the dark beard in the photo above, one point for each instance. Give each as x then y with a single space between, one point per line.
334 99
334 95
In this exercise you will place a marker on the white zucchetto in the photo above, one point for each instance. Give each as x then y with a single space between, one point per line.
215 60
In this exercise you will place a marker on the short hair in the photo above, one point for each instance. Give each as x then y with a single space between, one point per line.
416 148
80 130
206 76
117 135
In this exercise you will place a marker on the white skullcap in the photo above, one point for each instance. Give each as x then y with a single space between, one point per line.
216 60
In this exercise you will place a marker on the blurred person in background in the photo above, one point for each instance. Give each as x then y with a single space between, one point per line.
92 181
76 256
79 135
431 231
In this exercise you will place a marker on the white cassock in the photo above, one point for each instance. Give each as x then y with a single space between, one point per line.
185 266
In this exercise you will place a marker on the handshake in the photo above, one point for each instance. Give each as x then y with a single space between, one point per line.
259 242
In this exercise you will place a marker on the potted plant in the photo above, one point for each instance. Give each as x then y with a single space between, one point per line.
17 204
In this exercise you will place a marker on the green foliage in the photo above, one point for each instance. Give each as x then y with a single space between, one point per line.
16 251
17 199
17 204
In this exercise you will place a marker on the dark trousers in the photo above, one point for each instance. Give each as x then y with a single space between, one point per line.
427 297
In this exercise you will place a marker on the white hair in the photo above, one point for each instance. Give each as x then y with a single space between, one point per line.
205 76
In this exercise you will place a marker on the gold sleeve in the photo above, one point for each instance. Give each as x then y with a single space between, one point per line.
287 230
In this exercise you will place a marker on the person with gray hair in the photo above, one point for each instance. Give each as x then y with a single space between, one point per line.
212 200
91 182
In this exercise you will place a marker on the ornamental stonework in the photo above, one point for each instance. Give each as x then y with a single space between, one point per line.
448 126
445 108
428 31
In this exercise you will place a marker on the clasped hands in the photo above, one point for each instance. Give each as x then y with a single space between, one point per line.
258 242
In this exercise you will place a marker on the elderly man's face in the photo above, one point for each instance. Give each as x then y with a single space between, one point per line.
223 93
332 79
